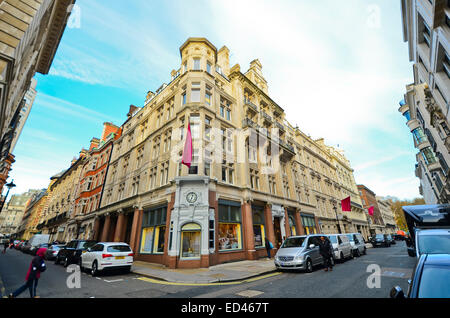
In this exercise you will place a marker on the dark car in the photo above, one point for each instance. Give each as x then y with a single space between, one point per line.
398 237
430 279
34 249
26 247
53 251
70 254
380 240
390 239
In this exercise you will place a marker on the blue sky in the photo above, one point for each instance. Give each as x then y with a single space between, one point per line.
338 68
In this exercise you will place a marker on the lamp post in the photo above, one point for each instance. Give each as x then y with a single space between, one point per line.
9 186
337 220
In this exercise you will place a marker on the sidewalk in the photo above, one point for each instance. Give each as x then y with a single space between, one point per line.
228 272
214 274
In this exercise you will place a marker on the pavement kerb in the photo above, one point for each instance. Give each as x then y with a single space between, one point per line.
213 281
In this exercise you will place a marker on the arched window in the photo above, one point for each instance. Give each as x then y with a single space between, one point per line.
190 240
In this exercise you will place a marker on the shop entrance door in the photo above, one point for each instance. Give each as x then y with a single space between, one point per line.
277 232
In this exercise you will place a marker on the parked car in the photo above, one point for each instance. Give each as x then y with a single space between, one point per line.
390 239
52 251
431 241
342 248
34 249
299 253
26 247
380 240
107 256
430 279
357 243
70 253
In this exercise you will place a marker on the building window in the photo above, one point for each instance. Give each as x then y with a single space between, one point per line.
426 33
228 172
258 226
195 93
196 64
208 95
446 64
272 185
190 240
193 169
309 223
229 226
419 135
208 67
254 179
428 155
135 186
152 180
292 223
153 230
225 108
195 126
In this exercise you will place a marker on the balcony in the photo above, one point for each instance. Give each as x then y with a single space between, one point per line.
250 105
247 122
266 117
280 126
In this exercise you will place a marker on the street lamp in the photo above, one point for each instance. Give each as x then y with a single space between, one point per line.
9 186
337 220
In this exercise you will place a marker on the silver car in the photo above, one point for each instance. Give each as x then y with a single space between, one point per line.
300 253
357 243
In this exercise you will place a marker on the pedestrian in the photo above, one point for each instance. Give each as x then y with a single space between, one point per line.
269 246
326 252
37 266
5 246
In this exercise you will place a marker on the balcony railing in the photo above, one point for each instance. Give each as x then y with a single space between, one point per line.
280 126
251 105
266 116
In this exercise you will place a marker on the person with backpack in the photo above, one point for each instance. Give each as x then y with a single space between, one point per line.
37 266
269 246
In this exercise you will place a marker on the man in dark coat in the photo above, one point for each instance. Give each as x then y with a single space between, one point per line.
326 252
268 247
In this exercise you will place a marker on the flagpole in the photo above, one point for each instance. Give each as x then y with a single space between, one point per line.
338 226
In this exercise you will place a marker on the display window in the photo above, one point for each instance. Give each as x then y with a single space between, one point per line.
153 231
190 240
258 226
229 236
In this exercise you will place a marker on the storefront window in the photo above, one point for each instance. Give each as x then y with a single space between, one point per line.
292 225
309 224
258 226
153 230
229 225
190 240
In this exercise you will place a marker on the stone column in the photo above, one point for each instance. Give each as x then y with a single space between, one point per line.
286 223
134 230
270 232
119 227
106 226
95 235
298 224
247 224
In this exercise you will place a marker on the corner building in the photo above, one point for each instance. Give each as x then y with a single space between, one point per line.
251 176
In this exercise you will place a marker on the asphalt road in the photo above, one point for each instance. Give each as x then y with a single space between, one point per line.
348 279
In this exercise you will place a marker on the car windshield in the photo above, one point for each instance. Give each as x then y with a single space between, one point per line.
379 236
294 242
333 239
434 244
119 248
435 282
350 237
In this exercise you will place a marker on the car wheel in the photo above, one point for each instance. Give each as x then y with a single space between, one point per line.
351 255
66 262
94 269
309 267
358 253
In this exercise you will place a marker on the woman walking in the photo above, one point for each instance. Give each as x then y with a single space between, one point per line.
37 266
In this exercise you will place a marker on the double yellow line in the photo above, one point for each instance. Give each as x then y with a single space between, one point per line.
155 281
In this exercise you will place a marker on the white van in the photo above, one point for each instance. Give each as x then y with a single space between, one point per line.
39 239
342 249
357 242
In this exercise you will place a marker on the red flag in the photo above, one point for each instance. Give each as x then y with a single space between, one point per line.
345 204
371 210
187 152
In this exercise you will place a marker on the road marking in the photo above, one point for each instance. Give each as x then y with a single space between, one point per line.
113 281
250 293
154 281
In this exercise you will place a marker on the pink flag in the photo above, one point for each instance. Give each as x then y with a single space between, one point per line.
187 152
345 204
371 210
